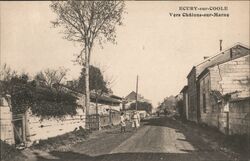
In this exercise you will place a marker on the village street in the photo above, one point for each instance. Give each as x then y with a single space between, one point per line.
124 80
158 139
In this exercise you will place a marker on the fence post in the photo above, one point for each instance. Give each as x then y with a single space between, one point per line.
110 119
227 114
98 122
88 123
24 129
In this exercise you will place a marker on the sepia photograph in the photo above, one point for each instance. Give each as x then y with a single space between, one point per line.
124 80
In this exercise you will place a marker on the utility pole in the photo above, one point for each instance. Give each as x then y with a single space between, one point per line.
221 45
136 98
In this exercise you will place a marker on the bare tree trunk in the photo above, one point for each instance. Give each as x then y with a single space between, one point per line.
87 92
87 98
96 105
97 113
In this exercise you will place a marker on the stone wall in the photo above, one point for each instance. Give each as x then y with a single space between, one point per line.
216 120
232 76
204 95
102 108
39 129
239 117
238 121
185 105
6 133
115 118
192 96
211 119
105 119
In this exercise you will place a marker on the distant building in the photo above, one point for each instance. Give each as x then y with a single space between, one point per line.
104 102
169 104
131 98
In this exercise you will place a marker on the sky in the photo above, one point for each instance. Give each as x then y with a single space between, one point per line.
159 48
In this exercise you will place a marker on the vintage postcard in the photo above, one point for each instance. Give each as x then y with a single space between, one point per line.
124 80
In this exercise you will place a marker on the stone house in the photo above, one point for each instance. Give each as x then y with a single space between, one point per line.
131 98
104 103
224 96
234 52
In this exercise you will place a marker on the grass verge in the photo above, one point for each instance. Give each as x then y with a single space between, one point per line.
10 153
62 142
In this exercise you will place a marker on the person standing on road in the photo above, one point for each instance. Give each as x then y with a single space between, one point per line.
135 120
123 123
139 118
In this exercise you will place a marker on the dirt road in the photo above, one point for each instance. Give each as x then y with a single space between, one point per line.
158 139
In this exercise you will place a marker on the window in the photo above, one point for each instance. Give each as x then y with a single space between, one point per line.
204 102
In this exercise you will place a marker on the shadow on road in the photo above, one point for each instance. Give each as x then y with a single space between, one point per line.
119 132
72 156
190 135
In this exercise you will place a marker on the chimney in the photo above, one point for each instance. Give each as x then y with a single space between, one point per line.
205 57
220 45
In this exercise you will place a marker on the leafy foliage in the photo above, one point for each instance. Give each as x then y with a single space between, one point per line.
48 102
21 98
180 108
43 101
21 92
96 80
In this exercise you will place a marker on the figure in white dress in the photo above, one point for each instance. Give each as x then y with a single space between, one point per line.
135 119
123 123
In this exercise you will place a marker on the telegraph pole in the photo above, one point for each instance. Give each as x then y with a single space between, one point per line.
221 45
136 98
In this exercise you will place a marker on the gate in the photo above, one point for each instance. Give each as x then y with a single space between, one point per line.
18 122
93 122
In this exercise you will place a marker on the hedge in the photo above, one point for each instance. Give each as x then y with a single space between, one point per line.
43 101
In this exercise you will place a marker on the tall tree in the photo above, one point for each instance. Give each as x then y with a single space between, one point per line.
88 22
96 83
96 80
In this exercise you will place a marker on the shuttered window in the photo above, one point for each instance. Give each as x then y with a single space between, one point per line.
204 102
